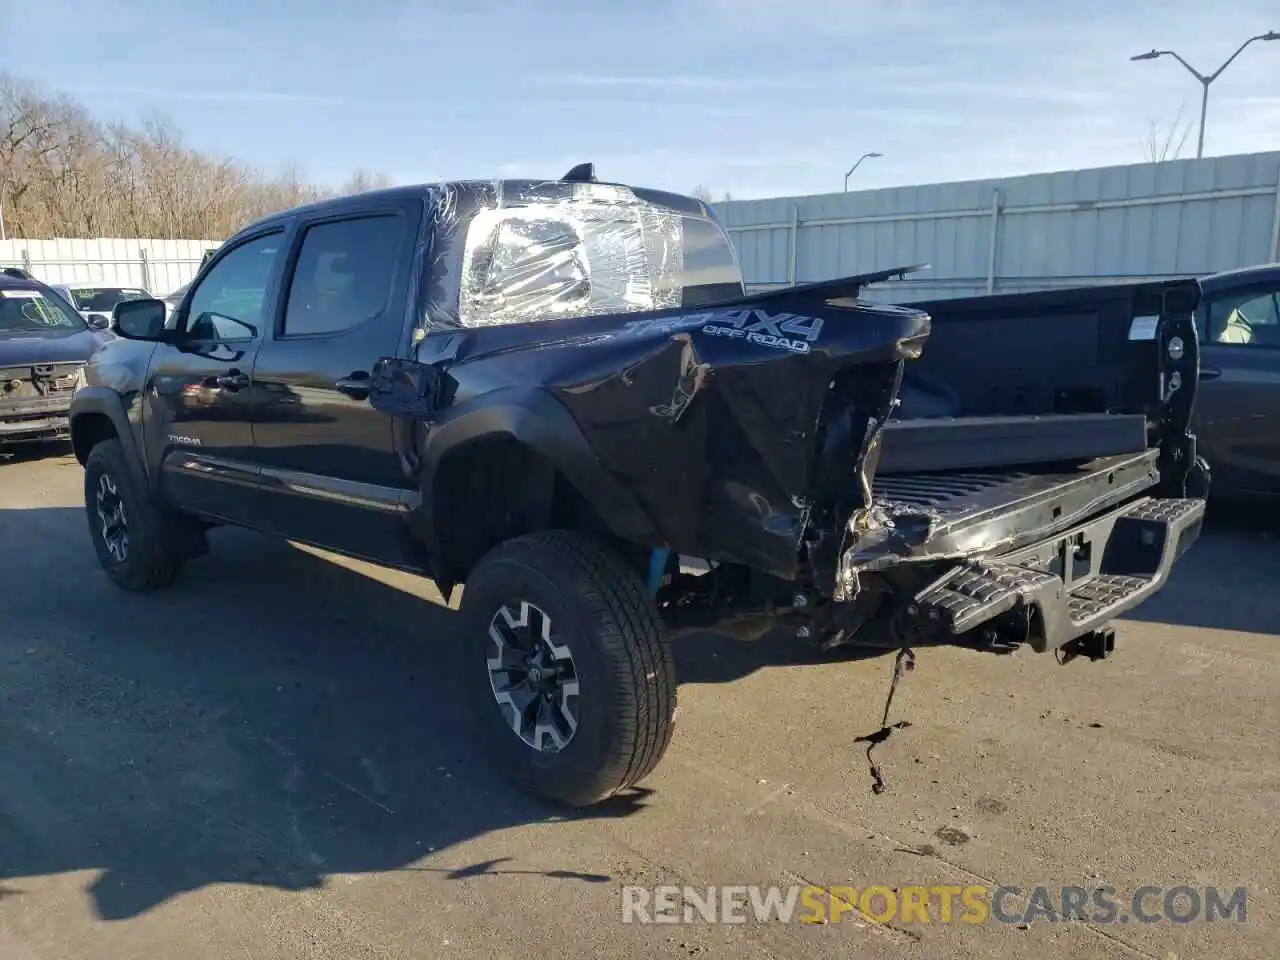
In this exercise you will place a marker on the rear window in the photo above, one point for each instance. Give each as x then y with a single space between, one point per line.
595 254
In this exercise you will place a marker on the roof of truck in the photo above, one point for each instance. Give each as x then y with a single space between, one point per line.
414 191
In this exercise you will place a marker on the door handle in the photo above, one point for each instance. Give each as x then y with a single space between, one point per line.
1210 373
235 380
354 385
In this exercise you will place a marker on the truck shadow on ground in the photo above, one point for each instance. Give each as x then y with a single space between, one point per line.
31 452
273 719
707 657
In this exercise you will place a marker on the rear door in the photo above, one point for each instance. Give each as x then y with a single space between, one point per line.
197 414
1237 413
330 471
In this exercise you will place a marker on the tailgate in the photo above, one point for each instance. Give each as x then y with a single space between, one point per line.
1037 557
924 516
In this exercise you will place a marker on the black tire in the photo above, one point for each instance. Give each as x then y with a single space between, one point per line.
149 561
601 612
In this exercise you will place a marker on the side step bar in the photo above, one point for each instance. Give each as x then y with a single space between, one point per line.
1049 594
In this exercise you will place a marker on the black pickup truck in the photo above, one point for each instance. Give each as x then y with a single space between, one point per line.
558 394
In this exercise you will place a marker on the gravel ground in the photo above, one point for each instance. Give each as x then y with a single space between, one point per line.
270 760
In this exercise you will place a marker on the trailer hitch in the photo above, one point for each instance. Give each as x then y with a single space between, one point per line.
1096 645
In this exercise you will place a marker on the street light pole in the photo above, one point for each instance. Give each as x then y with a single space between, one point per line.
1205 80
865 156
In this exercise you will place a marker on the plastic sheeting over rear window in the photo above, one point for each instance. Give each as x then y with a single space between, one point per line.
542 251
596 252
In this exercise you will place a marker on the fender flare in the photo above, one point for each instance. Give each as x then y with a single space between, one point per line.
106 402
537 420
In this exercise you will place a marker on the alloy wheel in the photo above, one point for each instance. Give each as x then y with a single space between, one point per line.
112 518
533 677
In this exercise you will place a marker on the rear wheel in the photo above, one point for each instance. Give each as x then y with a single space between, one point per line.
128 530
572 677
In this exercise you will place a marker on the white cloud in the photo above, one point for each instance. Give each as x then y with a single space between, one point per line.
220 96
865 75
977 92
666 81
828 17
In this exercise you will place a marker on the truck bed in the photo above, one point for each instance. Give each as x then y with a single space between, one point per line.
1020 379
1065 352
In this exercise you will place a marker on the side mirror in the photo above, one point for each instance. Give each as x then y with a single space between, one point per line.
139 320
98 321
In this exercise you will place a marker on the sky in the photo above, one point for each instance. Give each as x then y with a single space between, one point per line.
756 98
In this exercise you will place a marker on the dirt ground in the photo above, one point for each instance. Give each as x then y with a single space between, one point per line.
271 760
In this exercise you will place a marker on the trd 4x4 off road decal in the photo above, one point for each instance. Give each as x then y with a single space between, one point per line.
781 331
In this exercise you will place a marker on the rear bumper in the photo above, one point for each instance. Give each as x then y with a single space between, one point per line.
1064 587
37 419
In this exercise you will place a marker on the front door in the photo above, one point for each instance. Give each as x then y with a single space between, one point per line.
197 406
1237 412
330 471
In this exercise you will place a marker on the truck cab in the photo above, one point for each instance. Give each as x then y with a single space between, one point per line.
254 406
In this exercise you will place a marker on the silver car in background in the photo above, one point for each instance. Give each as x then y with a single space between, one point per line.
173 300
94 301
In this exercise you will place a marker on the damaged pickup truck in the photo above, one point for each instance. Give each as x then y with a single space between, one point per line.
558 394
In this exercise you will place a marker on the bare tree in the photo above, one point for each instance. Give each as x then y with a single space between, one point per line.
1166 143
362 181
703 193
63 173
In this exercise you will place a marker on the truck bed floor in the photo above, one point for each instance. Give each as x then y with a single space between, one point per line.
976 511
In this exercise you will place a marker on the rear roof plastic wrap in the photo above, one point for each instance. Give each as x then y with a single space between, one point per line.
534 251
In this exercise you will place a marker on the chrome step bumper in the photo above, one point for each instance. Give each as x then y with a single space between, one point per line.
1066 586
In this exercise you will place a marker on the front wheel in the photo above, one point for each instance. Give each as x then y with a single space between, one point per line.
572 676
129 532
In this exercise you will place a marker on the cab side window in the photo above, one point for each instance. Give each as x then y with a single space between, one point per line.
1247 318
229 301
343 275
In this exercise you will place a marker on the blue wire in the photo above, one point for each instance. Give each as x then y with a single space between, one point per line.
657 568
